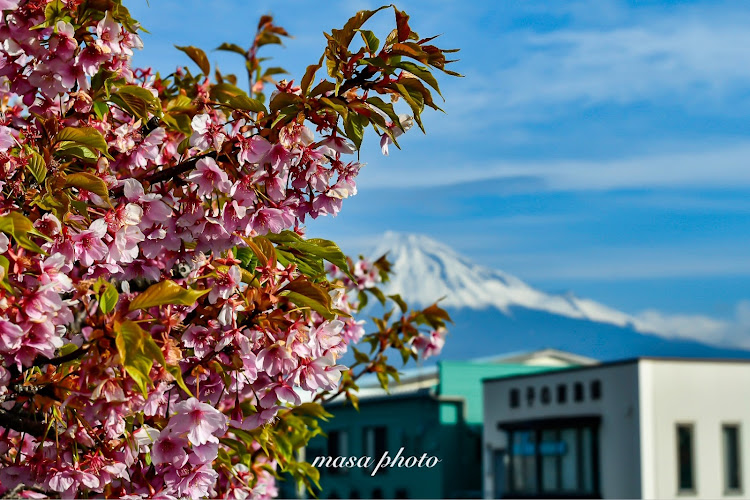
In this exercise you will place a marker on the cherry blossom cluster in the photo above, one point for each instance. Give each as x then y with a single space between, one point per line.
153 326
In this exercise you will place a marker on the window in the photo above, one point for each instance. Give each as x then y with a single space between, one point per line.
685 461
578 392
530 395
554 459
731 439
545 395
515 398
354 494
562 393
596 390
338 446
402 493
377 493
375 444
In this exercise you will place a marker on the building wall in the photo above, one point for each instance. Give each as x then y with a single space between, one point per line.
464 379
416 423
705 394
618 406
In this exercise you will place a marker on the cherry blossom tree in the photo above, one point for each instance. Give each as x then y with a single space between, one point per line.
166 328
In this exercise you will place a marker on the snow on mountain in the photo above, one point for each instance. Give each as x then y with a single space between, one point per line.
426 270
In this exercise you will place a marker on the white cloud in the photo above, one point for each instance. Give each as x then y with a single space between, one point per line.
717 167
734 332
694 58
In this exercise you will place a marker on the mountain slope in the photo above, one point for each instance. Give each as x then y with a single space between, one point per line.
496 312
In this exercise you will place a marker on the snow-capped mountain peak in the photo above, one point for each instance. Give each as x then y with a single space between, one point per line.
426 270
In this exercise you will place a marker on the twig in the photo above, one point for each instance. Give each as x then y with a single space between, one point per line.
21 424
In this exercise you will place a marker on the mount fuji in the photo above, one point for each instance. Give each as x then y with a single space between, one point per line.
496 313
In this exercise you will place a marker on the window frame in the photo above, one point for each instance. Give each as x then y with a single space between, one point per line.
514 398
738 427
536 427
374 452
342 442
693 489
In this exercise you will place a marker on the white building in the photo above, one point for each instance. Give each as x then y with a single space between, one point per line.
642 428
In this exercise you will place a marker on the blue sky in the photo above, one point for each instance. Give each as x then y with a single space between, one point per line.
596 146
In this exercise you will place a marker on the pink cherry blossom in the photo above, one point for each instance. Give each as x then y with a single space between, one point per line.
10 336
88 244
208 176
6 137
202 422
205 133
9 4
191 482
169 449
268 220
224 284
253 149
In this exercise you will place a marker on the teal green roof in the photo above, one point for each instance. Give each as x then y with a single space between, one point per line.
464 379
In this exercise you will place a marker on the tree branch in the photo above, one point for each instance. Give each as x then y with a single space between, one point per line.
61 359
168 173
21 424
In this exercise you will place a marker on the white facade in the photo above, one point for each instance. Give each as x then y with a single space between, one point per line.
615 435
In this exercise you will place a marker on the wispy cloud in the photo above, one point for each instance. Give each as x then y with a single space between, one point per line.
688 54
734 332
669 58
717 167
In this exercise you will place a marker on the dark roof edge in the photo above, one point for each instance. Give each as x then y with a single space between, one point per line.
618 362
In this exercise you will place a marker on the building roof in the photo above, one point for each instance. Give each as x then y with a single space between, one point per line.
618 362
425 380
542 357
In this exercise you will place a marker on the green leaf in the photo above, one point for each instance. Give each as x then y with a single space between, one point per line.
312 409
420 72
371 41
100 109
282 100
416 105
198 57
89 182
19 227
308 78
137 101
67 149
84 136
138 351
246 257
180 103
36 165
378 294
5 269
354 126
386 108
307 294
109 298
246 103
232 47
323 249
234 97
398 300
166 292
